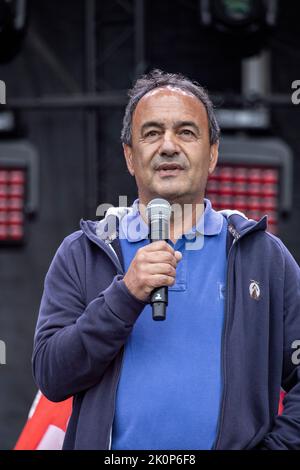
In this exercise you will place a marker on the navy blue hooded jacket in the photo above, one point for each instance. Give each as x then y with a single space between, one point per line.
87 314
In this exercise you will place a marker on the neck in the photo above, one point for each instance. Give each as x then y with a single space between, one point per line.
184 216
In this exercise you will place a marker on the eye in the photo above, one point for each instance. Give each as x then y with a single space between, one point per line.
187 132
152 135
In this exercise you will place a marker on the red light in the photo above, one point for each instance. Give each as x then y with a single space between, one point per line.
3 176
17 177
16 232
254 176
240 203
240 175
15 218
226 174
3 217
12 203
15 204
16 190
270 176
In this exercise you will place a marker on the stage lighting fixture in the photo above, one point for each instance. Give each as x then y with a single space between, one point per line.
18 189
238 16
254 176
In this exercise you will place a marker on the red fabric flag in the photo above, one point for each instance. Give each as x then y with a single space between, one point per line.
280 409
46 425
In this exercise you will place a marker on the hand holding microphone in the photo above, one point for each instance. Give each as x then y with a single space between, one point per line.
153 268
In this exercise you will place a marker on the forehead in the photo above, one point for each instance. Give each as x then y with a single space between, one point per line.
169 103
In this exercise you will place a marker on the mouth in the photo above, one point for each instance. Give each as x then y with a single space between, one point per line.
169 169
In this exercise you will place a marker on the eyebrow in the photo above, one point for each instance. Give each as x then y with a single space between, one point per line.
176 125
147 124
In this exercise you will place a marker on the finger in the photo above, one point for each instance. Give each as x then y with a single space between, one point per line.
160 268
159 245
160 280
161 257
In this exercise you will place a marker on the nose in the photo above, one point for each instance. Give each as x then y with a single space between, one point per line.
169 146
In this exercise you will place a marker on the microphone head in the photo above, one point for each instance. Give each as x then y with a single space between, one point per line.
159 214
159 208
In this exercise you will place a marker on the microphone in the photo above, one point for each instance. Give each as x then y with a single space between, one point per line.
159 214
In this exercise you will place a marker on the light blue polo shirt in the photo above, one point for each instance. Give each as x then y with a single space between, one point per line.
170 385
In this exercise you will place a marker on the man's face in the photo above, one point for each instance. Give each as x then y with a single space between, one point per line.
170 151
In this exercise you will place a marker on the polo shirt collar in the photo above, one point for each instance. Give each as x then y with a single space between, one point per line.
135 229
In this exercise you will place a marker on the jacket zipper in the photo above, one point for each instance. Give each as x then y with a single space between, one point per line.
116 256
223 349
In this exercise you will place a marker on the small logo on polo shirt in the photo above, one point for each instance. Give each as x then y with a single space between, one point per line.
254 290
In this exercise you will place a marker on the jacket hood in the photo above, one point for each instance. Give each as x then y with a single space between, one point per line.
239 225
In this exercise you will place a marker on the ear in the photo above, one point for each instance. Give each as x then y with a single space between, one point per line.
129 158
214 153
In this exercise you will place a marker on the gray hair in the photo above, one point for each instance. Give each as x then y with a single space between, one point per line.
158 79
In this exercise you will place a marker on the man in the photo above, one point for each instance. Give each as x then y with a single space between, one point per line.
209 376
